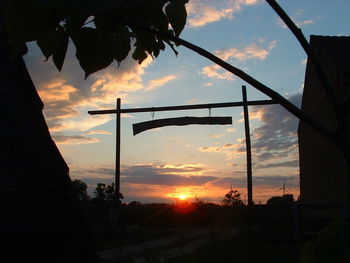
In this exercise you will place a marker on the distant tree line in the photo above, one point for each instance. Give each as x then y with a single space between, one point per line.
106 193
103 192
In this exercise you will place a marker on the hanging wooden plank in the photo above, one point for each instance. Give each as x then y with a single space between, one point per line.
147 125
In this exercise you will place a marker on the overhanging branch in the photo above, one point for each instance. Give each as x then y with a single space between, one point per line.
317 125
330 92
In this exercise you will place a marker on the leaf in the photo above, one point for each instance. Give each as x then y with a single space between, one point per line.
330 244
55 43
177 14
28 20
122 44
307 254
139 52
49 43
158 18
93 7
171 45
105 25
160 46
74 22
60 52
147 40
92 50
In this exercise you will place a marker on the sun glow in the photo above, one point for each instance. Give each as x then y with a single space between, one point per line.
182 197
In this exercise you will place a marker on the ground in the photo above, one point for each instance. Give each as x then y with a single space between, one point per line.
204 244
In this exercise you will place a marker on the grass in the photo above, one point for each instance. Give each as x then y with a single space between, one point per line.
110 238
238 248
243 249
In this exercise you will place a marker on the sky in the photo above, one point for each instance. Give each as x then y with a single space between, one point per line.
198 160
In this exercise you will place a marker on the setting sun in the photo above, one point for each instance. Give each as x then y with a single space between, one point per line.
182 197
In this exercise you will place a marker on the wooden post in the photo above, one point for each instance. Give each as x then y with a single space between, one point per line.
248 147
117 154
118 111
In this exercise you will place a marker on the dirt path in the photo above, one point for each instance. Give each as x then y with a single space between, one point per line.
184 241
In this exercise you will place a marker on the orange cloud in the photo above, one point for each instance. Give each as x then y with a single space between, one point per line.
203 12
208 15
231 130
252 51
98 132
212 71
216 135
156 83
81 123
220 149
67 99
249 52
55 91
298 22
73 140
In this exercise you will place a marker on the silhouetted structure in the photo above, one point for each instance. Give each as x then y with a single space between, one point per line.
181 121
40 220
323 178
139 127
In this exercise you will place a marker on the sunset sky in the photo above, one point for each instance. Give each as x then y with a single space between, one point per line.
160 165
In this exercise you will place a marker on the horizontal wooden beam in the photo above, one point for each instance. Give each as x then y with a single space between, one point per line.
185 107
147 125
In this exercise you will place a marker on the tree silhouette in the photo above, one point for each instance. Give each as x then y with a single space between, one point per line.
100 191
80 188
106 192
233 198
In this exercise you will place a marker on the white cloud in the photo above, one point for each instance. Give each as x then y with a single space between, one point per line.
203 12
296 19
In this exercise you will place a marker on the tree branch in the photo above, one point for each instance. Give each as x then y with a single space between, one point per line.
317 125
330 92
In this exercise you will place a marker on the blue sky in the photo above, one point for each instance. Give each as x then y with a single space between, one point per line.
201 161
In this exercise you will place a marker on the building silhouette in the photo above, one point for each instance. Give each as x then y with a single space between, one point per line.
323 172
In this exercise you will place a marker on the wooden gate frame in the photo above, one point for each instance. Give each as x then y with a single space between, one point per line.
245 103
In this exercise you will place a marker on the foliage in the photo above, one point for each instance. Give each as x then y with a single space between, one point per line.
242 248
331 245
233 198
101 30
134 203
285 200
80 188
105 192
100 191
